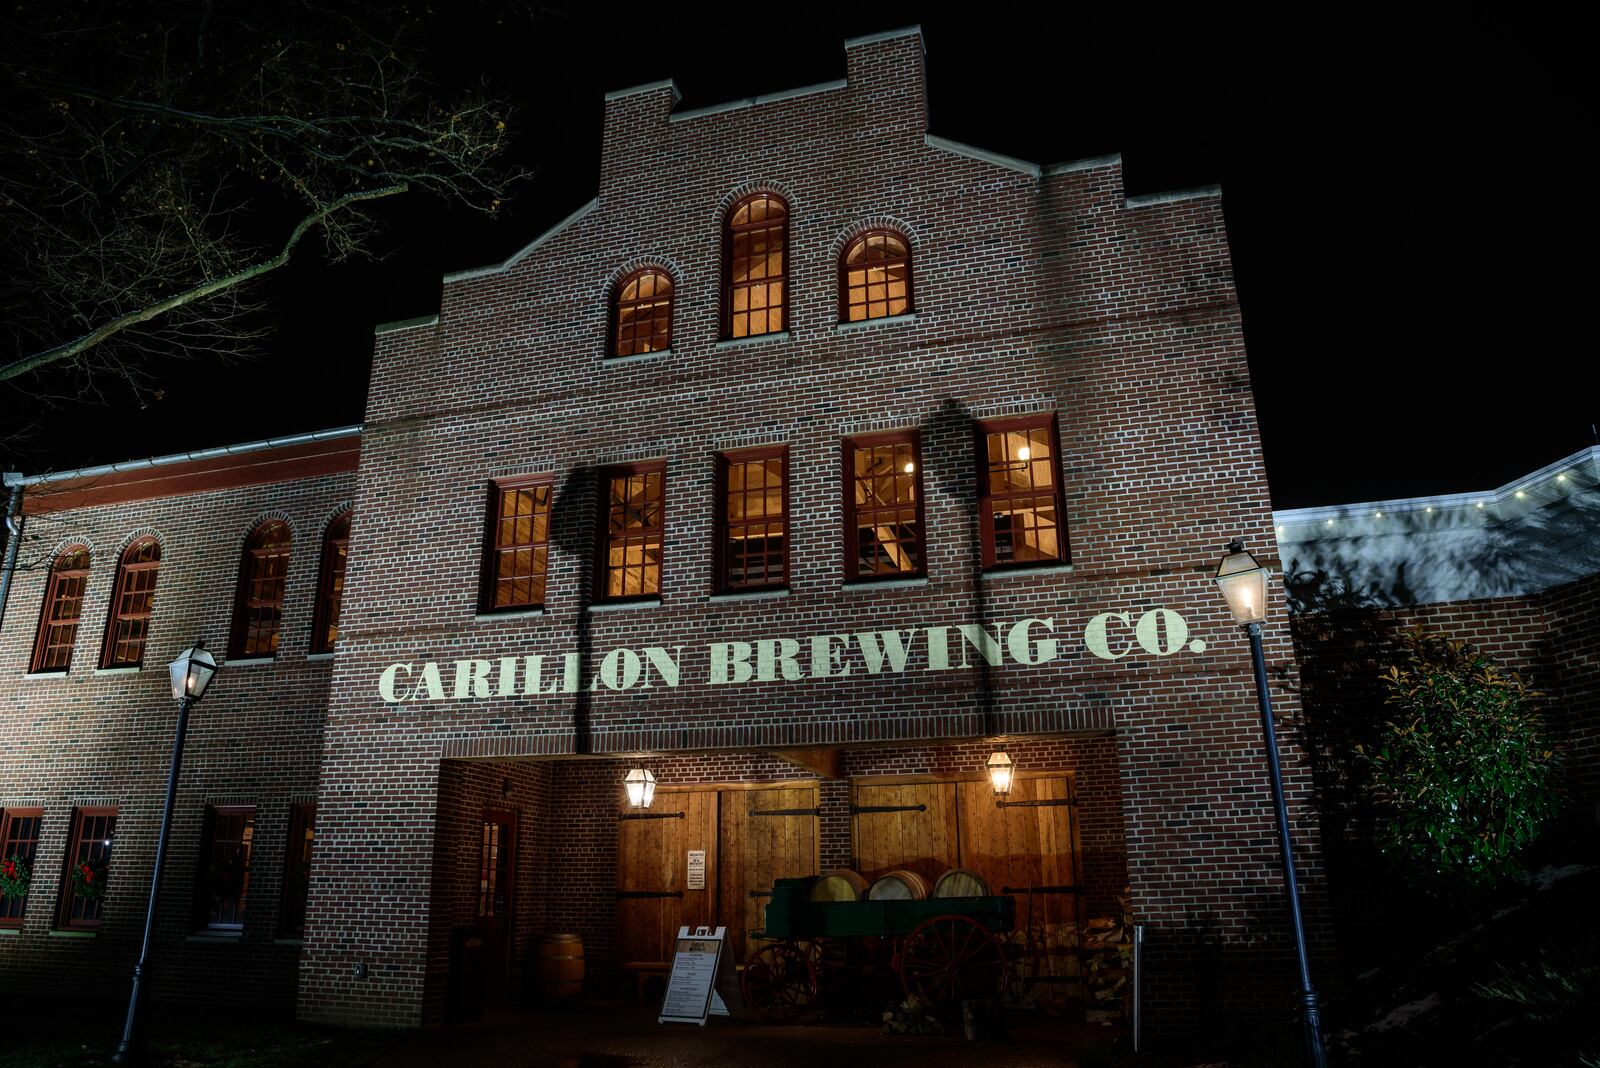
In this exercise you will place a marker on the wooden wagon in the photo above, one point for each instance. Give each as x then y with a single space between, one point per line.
944 950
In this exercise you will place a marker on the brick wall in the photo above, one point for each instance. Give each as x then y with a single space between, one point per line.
87 737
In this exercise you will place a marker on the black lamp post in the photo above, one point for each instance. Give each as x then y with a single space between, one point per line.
191 674
1244 587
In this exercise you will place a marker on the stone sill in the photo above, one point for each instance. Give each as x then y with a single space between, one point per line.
34 676
887 320
868 585
1024 572
637 357
296 942
739 342
253 661
56 932
118 671
221 938
491 617
10 932
623 606
752 595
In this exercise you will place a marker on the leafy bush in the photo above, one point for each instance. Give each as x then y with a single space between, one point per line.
1463 774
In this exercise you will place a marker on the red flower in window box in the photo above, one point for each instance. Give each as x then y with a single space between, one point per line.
89 879
15 875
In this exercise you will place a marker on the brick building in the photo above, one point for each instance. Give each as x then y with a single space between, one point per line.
812 461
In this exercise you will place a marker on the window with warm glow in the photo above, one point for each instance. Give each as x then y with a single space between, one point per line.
875 277
633 498
330 585
132 602
883 506
225 849
519 543
755 267
88 866
63 607
753 518
260 611
1020 497
643 320
19 839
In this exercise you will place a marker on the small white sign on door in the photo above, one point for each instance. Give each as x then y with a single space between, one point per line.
697 869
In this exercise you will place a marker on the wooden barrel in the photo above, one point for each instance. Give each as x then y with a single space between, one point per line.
898 886
961 882
559 965
840 884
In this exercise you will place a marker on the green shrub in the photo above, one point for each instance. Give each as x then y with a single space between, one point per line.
1463 773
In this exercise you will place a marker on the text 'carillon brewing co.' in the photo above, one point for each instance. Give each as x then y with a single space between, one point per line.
1028 642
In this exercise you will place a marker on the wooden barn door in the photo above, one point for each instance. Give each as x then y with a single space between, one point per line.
911 826
766 834
1026 848
653 898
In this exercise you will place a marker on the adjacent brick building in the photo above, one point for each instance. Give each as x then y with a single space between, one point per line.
810 462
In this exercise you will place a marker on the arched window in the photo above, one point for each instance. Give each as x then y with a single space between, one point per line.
260 609
875 277
643 318
63 606
330 585
755 267
133 597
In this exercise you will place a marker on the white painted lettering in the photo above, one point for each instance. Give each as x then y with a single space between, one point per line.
472 679
431 682
772 652
386 683
987 644
664 663
1040 651
1148 632
1094 635
827 656
619 670
730 663
887 645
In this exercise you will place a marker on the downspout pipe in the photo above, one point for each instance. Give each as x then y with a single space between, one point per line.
13 521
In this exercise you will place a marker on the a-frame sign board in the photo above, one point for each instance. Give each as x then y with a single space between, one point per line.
699 962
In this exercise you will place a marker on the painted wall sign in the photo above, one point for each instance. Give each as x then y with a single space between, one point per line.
1029 642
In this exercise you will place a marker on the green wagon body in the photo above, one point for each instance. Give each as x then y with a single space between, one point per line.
792 915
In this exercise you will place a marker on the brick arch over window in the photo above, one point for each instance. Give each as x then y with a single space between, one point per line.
875 276
876 222
258 612
139 534
133 598
330 583
62 608
639 307
755 265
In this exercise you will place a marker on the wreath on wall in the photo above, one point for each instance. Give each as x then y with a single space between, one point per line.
89 879
15 875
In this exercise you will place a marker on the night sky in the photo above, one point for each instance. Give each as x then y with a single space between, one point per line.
1400 205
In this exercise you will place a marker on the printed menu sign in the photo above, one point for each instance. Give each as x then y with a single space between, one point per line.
694 973
697 869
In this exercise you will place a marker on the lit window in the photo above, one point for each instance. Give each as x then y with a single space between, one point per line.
883 506
633 517
131 603
88 867
519 544
63 607
225 849
753 519
330 585
1020 497
260 612
875 277
756 267
643 320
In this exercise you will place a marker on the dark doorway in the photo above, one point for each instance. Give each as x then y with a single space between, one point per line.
496 895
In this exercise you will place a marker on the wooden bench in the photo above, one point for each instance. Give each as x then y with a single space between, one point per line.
644 971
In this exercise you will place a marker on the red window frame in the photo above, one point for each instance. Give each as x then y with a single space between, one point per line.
850 290
19 837
893 441
222 878
132 604
728 527
1039 428
330 584
738 242
297 870
649 329
263 574
94 833
614 534
507 544
61 611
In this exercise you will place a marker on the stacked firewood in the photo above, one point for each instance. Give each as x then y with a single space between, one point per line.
1108 964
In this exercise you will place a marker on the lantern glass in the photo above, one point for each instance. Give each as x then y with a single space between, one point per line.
1244 585
1001 771
192 672
641 787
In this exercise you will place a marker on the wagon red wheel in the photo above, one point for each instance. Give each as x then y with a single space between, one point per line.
950 959
780 980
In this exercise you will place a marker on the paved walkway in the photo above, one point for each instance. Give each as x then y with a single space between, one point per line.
627 1036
